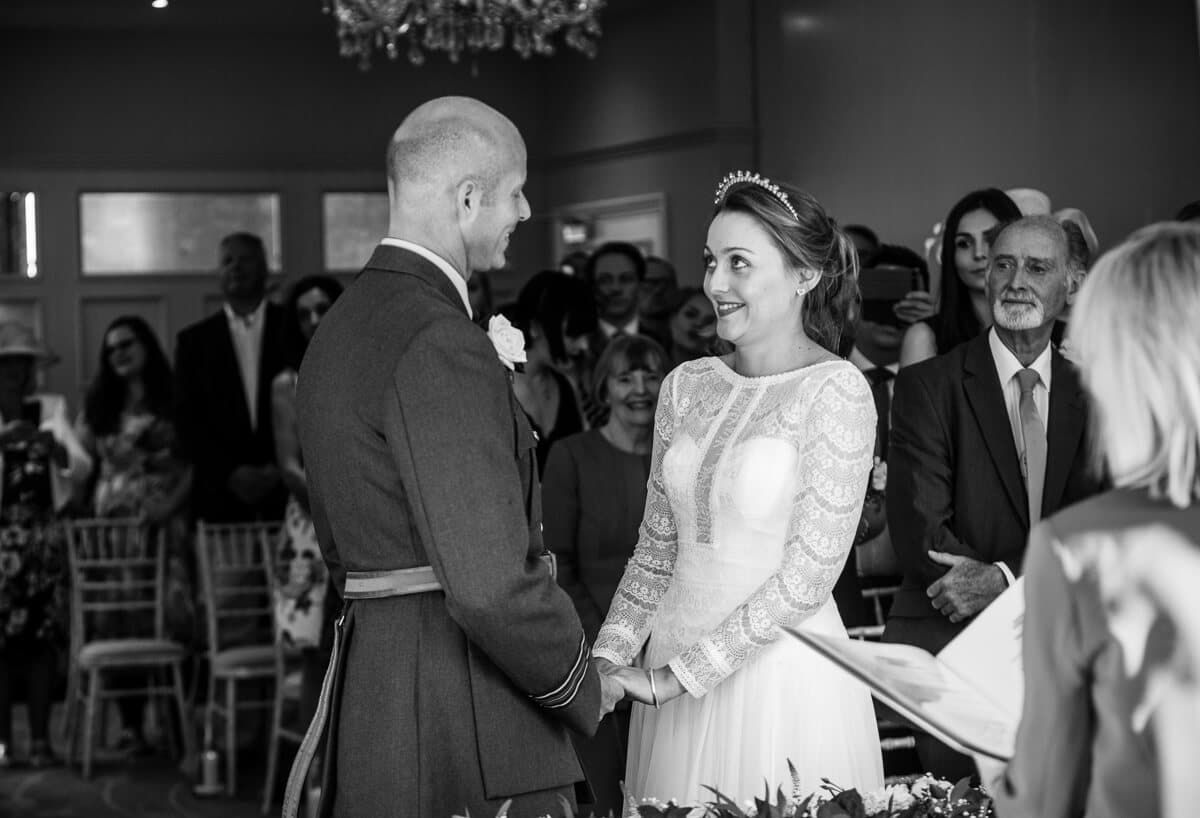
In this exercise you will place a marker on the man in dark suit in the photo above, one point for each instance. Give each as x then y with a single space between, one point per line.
459 662
985 441
224 366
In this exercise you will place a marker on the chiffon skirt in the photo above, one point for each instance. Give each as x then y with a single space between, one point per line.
786 703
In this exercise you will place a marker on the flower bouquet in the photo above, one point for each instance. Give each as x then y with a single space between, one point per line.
912 797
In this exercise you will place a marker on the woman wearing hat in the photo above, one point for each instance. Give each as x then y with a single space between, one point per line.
40 463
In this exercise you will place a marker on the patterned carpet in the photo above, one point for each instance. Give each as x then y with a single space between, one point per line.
123 787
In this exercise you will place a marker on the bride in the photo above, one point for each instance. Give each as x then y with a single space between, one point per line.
757 480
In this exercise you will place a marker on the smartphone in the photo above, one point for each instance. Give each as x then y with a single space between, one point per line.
31 412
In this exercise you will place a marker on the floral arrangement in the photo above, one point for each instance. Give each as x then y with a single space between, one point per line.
912 797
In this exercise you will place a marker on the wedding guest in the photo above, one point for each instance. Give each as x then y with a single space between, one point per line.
656 294
552 313
306 604
224 366
615 271
1083 747
866 243
1081 221
985 441
592 502
693 326
963 308
41 466
127 428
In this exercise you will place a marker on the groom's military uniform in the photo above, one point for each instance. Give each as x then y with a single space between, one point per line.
459 661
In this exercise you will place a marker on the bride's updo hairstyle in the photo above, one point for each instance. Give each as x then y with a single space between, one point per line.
810 241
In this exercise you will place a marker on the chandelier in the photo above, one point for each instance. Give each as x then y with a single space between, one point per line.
457 25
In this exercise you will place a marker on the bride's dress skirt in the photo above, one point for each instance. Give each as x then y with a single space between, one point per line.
785 703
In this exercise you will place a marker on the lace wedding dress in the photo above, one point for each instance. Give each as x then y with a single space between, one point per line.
755 492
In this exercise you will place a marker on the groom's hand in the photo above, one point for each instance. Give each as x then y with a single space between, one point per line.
611 689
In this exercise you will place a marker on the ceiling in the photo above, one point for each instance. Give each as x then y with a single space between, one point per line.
181 15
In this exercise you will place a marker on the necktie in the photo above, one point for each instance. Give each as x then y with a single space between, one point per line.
879 377
1033 443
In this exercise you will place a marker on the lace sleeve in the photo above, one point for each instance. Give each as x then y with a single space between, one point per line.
648 573
836 439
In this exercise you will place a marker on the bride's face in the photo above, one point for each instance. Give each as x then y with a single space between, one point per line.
748 281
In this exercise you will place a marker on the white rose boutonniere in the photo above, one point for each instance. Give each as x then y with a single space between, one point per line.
879 475
508 341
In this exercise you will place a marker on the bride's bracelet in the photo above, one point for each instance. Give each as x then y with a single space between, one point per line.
653 689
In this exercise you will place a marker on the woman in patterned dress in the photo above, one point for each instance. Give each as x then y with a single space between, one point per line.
758 472
306 603
41 463
127 427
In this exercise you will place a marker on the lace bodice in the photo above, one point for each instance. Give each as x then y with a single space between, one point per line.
755 491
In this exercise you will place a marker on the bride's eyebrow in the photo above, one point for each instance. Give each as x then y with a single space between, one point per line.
727 250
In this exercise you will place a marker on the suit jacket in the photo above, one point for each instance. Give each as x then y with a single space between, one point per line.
213 419
1078 751
954 478
417 453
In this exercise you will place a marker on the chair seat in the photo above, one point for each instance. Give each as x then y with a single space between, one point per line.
244 661
113 652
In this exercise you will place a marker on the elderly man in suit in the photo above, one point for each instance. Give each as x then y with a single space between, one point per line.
459 662
224 366
986 440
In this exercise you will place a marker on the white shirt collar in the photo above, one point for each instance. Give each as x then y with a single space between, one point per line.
250 319
1007 365
610 330
460 283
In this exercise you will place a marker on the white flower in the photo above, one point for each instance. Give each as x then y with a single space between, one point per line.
879 475
508 341
896 798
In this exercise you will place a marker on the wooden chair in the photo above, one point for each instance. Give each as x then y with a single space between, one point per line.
235 572
290 672
117 582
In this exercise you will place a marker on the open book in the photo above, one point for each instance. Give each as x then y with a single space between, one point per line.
969 695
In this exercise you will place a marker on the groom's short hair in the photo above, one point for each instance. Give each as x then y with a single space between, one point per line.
448 148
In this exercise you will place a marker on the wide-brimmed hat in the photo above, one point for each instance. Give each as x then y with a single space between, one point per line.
17 339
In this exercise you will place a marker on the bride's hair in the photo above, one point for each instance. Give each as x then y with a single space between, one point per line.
811 242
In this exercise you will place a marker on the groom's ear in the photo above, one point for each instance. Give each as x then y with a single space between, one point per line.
468 200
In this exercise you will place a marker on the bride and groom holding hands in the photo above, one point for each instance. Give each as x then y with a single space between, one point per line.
459 664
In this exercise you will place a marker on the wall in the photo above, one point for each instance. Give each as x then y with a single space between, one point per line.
888 112
666 106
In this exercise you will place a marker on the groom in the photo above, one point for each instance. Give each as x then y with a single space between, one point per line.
459 662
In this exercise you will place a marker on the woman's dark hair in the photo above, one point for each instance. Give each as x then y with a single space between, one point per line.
326 284
956 320
809 240
1190 212
631 351
106 396
559 304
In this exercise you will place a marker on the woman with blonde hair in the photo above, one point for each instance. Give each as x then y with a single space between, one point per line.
1085 746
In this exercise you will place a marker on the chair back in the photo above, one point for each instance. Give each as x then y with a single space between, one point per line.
235 572
117 579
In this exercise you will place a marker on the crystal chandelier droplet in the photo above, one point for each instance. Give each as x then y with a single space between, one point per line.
454 26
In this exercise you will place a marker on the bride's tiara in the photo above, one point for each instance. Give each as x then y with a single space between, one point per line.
746 177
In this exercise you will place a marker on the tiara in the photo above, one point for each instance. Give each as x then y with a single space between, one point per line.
746 177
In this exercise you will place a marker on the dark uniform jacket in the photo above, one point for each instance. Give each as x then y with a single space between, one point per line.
418 454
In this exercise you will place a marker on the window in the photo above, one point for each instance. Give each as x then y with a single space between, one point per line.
18 234
172 233
354 224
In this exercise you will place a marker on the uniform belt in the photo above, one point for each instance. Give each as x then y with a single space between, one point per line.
380 584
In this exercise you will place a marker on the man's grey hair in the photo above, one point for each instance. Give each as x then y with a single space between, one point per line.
1078 257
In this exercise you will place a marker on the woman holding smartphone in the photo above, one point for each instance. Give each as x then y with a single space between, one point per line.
40 463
